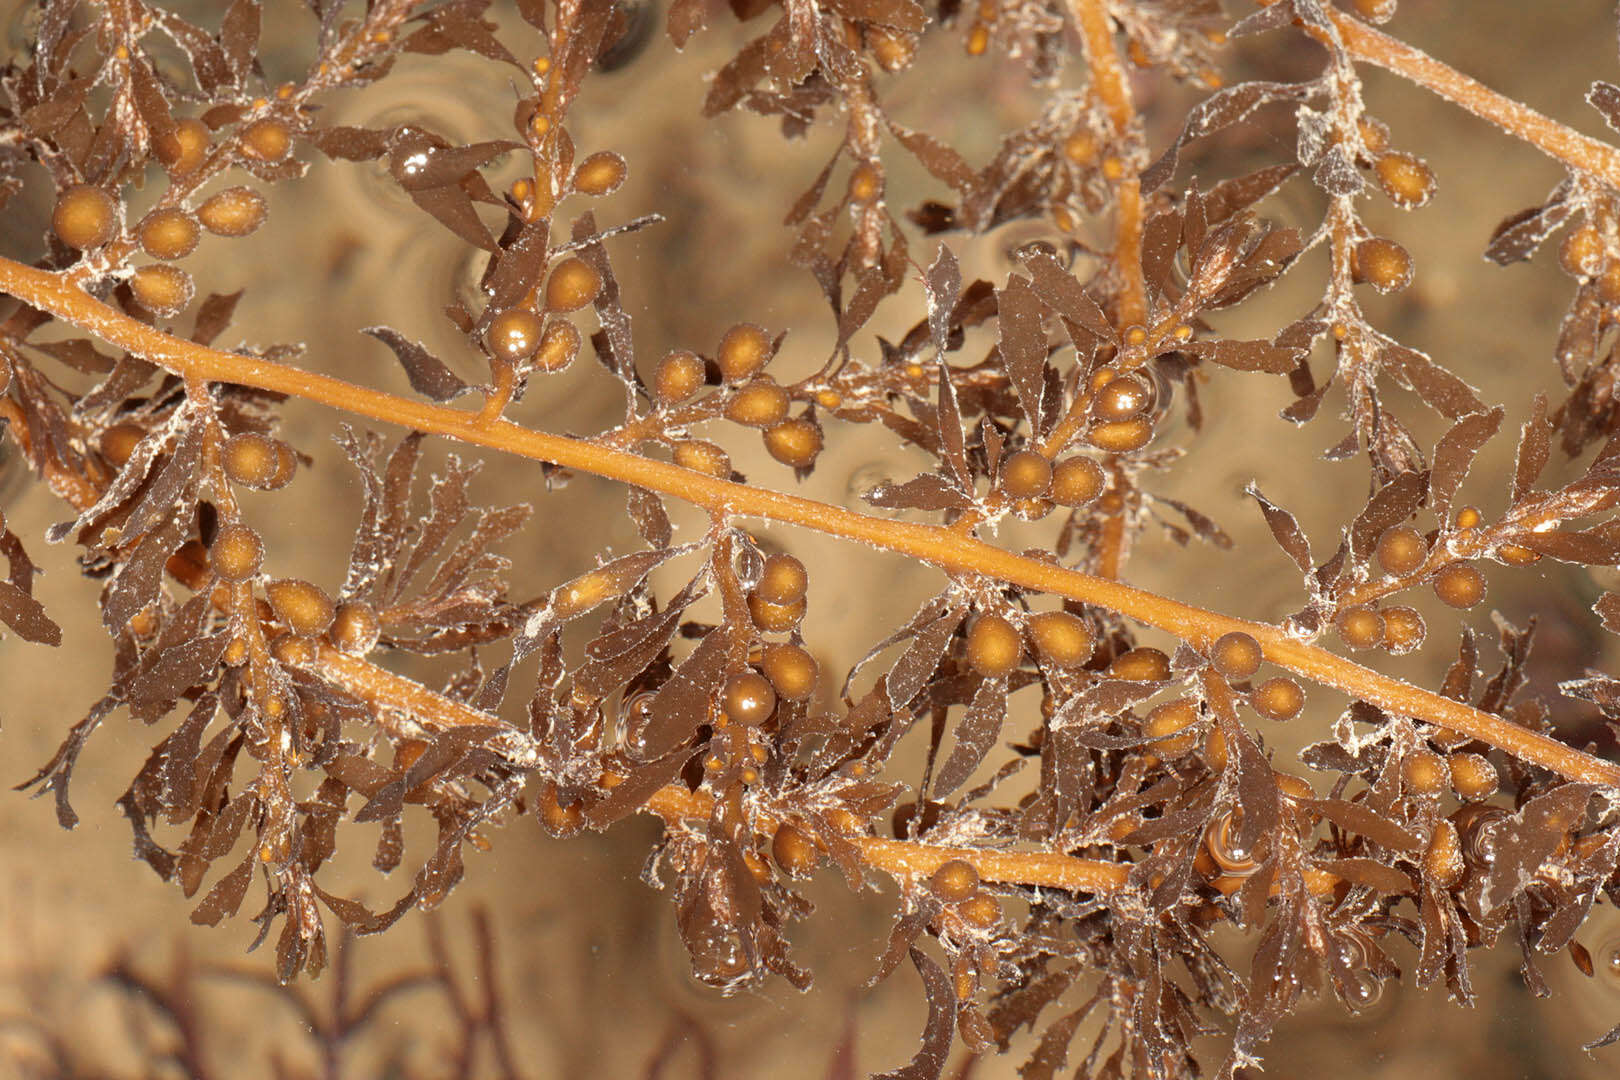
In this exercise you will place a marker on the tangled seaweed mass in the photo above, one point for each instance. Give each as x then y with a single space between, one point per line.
1089 833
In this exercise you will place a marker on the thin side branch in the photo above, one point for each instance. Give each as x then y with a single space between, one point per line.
1544 133
1109 82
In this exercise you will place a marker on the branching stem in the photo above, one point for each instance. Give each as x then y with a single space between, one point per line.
1544 133
938 545
1109 81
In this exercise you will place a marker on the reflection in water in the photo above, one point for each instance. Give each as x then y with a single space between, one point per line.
864 478
449 98
1591 1002
640 20
405 266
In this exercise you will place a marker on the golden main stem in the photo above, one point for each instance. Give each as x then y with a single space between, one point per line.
935 544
